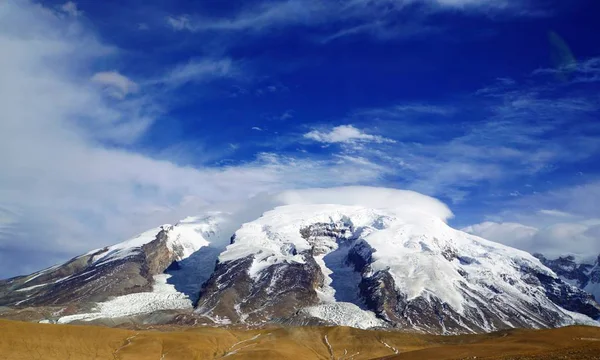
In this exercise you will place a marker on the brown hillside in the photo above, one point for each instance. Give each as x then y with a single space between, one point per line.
20 340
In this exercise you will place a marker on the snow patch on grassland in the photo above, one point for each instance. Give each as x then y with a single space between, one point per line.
163 297
344 314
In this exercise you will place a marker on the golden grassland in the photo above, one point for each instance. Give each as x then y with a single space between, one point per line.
27 341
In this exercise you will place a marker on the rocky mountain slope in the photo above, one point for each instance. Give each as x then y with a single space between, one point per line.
360 257
585 275
135 266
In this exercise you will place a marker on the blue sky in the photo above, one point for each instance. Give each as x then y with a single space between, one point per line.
122 115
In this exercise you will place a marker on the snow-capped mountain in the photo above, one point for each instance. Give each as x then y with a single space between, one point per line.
362 257
583 274
392 267
122 269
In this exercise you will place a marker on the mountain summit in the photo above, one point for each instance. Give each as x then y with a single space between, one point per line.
361 257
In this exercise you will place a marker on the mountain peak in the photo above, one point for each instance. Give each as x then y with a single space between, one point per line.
400 265
301 258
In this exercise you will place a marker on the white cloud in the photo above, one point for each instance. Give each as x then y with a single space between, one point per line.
514 138
63 192
196 71
257 128
518 135
369 197
574 229
404 111
511 234
117 84
586 71
71 9
475 3
344 134
178 23
578 239
349 17
264 15
288 114
556 213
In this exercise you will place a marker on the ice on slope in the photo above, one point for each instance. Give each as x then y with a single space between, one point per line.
163 297
341 281
344 314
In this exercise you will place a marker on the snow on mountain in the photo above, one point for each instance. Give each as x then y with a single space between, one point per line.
163 296
354 256
479 284
128 267
577 271
593 284
185 238
126 248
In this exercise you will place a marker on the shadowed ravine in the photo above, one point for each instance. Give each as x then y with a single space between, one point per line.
189 274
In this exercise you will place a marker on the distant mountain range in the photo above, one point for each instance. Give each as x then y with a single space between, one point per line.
585 275
396 267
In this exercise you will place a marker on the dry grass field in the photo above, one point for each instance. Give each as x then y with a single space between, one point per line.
27 341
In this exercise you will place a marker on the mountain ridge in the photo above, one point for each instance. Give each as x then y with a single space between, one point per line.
583 274
391 262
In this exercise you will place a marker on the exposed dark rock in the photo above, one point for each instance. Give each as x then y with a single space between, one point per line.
569 297
276 292
83 280
580 274
567 268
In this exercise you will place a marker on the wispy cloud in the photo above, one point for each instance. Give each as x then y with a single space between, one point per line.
181 22
572 230
511 131
116 84
286 115
405 110
350 17
71 9
260 17
586 71
84 189
344 134
197 71
555 213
